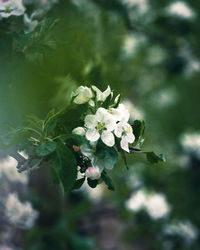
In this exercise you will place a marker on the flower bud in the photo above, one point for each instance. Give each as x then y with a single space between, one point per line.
79 131
76 148
93 173
82 95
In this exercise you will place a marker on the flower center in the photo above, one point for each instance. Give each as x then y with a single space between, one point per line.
100 126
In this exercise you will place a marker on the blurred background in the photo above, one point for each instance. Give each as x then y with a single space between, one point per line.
149 52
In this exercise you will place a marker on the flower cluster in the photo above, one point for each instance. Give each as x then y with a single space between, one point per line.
18 8
105 122
20 214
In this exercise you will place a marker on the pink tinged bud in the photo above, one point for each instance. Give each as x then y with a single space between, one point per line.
93 173
76 148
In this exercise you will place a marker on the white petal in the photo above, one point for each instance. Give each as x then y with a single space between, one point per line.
91 103
130 138
108 138
90 121
118 131
79 131
101 114
110 123
92 135
106 93
124 144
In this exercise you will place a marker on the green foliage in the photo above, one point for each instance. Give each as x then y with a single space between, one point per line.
64 164
138 131
106 153
153 158
78 184
108 181
92 183
45 149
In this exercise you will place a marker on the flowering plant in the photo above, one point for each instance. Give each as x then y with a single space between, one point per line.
83 139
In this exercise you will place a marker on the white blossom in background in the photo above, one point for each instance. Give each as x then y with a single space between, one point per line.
180 9
191 143
142 6
155 204
132 43
137 201
94 194
20 214
135 112
8 169
156 55
165 98
185 229
11 8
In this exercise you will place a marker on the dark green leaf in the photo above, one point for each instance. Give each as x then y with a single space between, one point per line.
92 183
69 117
77 140
78 183
138 129
107 181
106 153
45 149
64 163
153 158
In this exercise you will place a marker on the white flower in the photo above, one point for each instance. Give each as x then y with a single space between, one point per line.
82 95
185 229
101 96
11 8
93 173
157 206
181 9
79 131
120 113
125 132
20 214
137 201
8 169
191 143
100 125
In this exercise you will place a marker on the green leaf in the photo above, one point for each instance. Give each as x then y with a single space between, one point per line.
45 149
107 102
77 140
92 183
153 158
64 163
70 117
107 181
78 183
107 153
138 129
